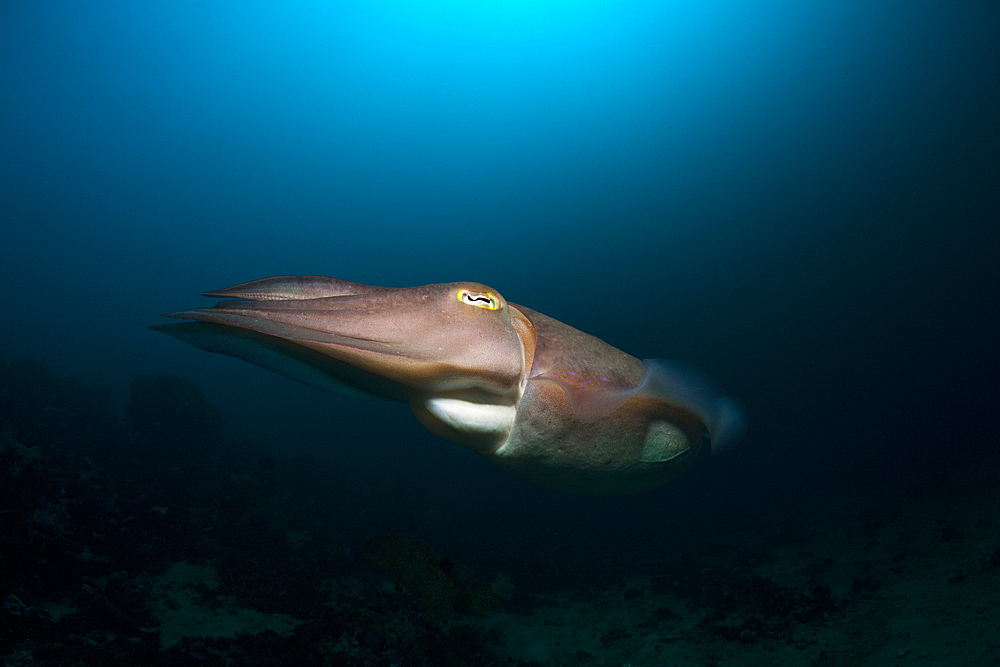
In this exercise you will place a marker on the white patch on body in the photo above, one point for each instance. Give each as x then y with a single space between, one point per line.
664 441
469 417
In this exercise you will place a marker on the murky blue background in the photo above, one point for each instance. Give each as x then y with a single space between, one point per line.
799 197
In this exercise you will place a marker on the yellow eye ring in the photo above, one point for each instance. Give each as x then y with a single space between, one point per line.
486 300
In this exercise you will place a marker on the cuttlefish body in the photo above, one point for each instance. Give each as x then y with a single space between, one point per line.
537 397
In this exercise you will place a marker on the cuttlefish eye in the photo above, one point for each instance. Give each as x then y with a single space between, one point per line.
486 300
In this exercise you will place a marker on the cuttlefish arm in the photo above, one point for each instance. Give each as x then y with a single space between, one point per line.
538 397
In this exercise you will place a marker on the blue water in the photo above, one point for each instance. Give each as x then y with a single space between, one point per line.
798 197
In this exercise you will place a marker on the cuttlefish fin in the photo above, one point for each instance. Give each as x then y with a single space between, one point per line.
599 379
693 390
675 382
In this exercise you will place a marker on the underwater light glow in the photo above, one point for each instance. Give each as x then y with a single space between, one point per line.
497 14
496 22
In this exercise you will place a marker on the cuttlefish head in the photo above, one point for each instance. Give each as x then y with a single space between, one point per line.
456 352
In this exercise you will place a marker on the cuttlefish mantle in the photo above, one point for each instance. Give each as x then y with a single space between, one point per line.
537 397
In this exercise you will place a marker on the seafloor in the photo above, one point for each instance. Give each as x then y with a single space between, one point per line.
141 539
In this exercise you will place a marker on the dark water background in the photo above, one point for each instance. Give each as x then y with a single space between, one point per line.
799 197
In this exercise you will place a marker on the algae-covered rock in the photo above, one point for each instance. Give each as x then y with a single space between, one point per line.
449 590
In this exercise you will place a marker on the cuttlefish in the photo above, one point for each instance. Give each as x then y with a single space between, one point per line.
535 396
